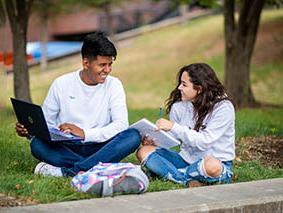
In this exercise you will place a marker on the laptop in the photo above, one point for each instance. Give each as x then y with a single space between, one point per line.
32 117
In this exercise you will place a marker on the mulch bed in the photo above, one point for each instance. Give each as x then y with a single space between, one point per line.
267 149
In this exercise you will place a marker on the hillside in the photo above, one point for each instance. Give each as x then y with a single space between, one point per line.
147 64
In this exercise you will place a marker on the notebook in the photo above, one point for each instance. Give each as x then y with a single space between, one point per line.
32 117
161 138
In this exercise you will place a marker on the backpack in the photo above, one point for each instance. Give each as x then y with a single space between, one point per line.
108 179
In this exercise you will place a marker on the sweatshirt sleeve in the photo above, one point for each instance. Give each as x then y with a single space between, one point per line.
118 113
51 106
217 124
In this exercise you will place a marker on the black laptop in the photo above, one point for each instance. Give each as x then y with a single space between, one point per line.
32 117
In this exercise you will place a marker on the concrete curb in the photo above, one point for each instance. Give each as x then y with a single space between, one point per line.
255 196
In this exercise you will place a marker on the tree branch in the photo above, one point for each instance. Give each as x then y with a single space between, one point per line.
11 12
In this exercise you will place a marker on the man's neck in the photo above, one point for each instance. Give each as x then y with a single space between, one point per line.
84 77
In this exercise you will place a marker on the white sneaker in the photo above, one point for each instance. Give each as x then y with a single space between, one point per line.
46 169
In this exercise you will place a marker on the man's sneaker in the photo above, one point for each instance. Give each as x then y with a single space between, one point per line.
46 169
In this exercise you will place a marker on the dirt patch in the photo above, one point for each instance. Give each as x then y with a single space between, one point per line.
267 149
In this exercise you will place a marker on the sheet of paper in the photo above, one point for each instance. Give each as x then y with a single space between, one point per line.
161 138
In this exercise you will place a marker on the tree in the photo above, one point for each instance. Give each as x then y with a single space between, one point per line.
18 14
106 7
240 37
42 8
2 23
2 14
45 9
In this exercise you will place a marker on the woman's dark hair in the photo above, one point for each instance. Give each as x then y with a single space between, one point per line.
97 44
211 91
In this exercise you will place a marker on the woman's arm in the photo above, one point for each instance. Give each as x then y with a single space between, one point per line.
221 119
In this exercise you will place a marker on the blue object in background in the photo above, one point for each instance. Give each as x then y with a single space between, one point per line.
55 49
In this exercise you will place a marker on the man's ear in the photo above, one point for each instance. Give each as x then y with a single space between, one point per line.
85 63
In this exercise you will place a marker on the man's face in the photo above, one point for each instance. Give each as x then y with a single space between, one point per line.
97 70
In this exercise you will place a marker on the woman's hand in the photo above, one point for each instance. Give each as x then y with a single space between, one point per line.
164 124
73 129
147 141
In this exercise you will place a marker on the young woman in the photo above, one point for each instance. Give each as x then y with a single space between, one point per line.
203 119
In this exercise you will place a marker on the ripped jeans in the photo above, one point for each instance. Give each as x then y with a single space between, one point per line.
170 165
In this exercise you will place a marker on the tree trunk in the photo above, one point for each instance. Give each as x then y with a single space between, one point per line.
3 37
239 45
109 20
44 42
2 14
18 13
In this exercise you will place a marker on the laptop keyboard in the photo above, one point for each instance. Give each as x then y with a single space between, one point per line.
55 136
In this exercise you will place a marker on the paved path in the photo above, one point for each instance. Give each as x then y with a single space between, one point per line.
256 196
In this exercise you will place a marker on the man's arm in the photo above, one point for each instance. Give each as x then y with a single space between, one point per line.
51 106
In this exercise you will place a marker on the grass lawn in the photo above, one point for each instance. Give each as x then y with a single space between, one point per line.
148 77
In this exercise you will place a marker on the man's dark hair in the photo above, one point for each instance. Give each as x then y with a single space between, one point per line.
95 44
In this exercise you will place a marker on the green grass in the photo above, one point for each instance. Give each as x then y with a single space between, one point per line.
147 66
249 171
17 164
258 122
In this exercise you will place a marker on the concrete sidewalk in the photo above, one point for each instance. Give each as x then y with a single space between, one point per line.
256 196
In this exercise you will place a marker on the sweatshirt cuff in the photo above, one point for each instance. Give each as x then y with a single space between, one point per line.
176 130
184 134
90 135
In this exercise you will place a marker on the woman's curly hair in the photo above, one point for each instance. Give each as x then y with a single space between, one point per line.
210 91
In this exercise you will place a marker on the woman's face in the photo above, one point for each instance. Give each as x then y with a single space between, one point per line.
186 88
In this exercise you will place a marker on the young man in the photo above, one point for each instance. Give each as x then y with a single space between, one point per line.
88 103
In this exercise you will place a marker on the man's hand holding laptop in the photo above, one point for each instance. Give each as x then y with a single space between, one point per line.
21 130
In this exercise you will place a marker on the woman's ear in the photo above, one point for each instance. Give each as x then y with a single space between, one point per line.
199 90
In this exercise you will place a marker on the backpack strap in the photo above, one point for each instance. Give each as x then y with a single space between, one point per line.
106 189
139 175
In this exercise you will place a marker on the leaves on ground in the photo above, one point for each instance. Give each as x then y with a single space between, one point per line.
9 201
267 149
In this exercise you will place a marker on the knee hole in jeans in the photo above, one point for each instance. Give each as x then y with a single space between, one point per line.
144 151
212 167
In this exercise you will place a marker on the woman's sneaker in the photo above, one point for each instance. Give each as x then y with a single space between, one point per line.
195 183
46 169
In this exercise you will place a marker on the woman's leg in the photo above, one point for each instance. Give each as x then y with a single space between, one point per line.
165 163
210 170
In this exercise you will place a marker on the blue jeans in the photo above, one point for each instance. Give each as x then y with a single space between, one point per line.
74 157
170 165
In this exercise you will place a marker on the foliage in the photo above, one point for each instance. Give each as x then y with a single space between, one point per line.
2 13
201 3
93 4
